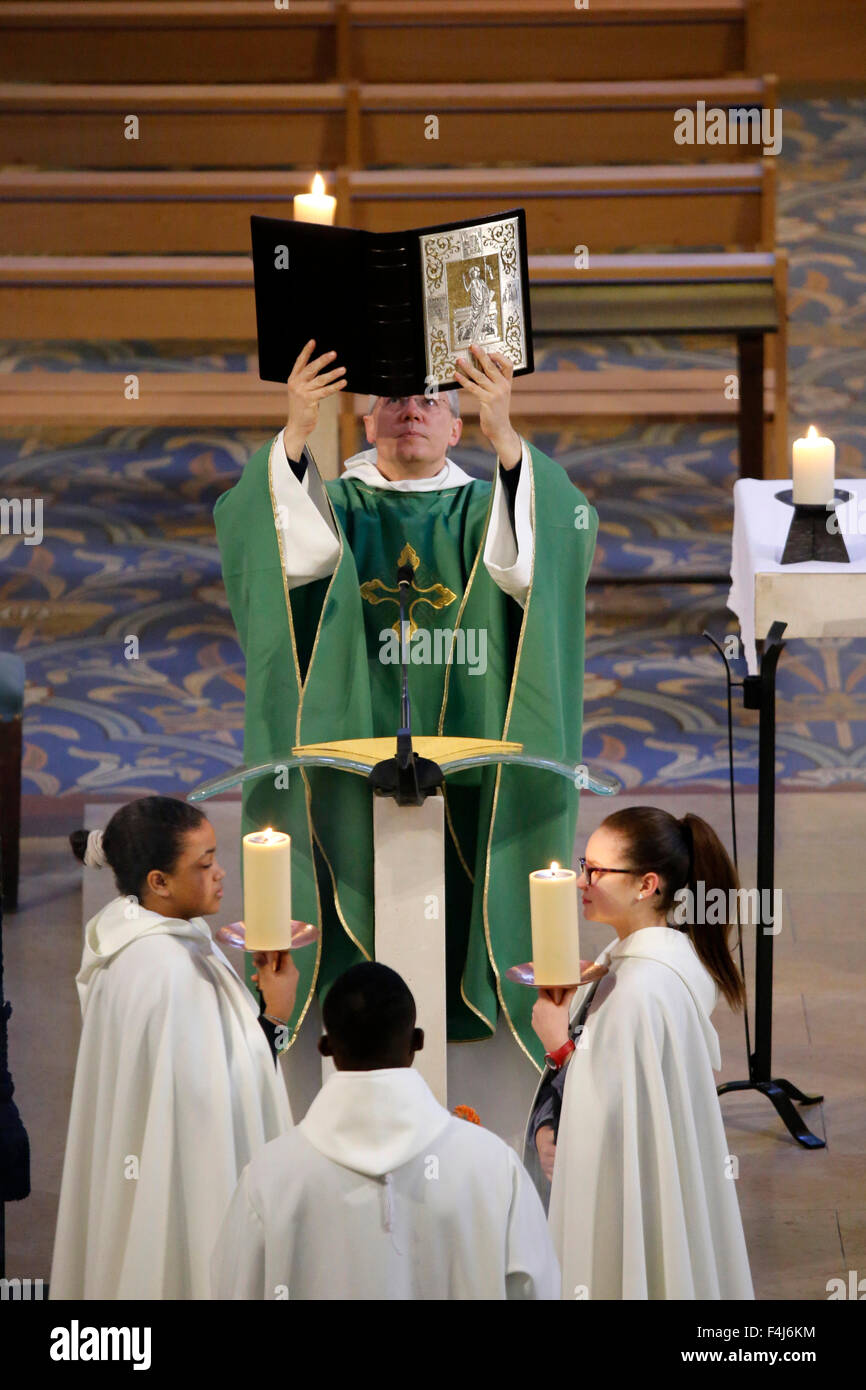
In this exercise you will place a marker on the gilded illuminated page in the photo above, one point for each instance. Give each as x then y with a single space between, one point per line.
472 294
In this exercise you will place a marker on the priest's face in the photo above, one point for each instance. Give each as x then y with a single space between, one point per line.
412 435
194 886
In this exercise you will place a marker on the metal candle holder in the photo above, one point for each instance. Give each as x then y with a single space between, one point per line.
809 537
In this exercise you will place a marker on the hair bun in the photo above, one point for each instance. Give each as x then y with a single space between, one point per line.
87 846
78 843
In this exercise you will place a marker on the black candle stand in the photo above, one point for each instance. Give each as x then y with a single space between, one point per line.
759 692
809 537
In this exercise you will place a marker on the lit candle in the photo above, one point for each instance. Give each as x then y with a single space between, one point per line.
814 470
316 206
268 890
555 940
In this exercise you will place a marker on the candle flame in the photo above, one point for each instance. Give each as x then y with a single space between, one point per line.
812 433
554 868
318 187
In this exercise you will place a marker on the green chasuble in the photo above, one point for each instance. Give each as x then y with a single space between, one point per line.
323 663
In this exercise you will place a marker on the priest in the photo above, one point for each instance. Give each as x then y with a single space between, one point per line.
496 623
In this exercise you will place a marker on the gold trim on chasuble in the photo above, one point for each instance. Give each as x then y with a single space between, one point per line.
451 829
311 829
490 956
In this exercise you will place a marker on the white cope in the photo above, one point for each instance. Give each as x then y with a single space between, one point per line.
380 1193
643 1202
175 1090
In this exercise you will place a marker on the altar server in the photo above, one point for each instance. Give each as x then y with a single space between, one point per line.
643 1202
175 1086
380 1193
496 650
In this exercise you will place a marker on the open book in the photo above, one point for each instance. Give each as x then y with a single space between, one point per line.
397 307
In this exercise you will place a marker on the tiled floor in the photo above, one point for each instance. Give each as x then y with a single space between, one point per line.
804 1211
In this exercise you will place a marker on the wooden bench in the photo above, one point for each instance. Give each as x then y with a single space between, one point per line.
184 41
488 123
607 209
512 40
369 40
387 40
76 126
96 399
743 297
114 297
100 213
210 299
361 126
164 212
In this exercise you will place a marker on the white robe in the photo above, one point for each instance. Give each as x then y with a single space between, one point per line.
175 1090
311 545
643 1204
380 1193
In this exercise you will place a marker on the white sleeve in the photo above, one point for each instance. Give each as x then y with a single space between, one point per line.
310 543
237 1267
508 551
532 1269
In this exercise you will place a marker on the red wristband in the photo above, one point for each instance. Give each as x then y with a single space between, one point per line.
557 1058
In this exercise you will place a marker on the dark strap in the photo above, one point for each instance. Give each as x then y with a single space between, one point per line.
299 467
582 1012
510 478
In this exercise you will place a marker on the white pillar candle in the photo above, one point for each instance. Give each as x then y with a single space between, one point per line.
555 938
814 469
315 206
268 890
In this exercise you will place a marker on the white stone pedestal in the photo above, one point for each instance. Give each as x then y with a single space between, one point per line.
409 866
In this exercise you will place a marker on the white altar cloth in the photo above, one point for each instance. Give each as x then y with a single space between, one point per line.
764 591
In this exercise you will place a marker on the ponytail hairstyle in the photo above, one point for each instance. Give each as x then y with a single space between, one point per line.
684 853
141 836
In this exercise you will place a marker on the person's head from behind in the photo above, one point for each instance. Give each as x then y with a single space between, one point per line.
162 852
640 861
412 434
369 1018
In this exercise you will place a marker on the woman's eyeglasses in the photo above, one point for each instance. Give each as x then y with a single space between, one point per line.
588 873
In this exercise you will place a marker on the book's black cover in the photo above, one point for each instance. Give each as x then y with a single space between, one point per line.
391 304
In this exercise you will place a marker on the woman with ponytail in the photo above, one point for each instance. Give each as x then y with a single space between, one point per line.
627 1121
176 1086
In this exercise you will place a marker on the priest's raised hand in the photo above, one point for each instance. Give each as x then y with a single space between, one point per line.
488 379
311 381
